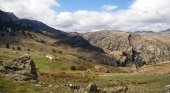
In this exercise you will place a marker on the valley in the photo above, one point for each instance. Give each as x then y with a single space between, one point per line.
111 61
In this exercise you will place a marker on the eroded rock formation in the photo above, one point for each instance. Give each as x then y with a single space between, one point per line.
137 48
20 69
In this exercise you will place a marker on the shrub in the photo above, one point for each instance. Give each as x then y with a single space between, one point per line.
13 48
107 71
7 45
73 68
18 48
28 49
60 52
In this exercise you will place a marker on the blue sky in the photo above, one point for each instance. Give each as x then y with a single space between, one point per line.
90 5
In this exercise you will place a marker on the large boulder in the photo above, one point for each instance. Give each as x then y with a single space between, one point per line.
20 69
92 88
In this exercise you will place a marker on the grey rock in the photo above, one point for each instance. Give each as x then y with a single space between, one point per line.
20 69
137 48
167 87
92 88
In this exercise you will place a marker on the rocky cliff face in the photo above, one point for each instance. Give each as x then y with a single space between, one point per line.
20 69
109 41
133 48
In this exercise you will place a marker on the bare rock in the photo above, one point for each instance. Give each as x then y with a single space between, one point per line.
137 48
92 88
167 88
20 69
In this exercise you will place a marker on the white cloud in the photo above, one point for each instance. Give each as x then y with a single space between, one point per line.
141 15
109 7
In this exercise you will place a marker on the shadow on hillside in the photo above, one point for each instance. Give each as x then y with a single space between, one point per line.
77 41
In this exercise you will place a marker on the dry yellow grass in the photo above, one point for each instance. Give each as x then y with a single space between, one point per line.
156 69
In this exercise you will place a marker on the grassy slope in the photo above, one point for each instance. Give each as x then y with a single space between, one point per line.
138 83
141 83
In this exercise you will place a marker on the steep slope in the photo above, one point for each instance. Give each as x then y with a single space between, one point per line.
109 41
7 16
16 32
133 48
151 47
36 25
9 20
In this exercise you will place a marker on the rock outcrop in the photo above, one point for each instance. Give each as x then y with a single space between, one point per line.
136 48
20 69
92 88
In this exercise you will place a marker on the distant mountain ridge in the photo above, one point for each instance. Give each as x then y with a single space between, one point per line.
10 20
7 16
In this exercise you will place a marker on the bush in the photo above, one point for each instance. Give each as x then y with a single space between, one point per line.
73 68
28 49
18 48
107 71
60 52
13 48
7 45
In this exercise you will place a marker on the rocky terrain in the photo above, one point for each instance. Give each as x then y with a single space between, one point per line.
133 48
20 69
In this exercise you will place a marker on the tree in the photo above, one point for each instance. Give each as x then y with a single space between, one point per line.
73 68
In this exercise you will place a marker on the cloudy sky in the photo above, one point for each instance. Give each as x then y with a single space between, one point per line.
93 15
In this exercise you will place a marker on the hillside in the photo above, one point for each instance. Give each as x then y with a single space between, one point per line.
133 48
38 39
